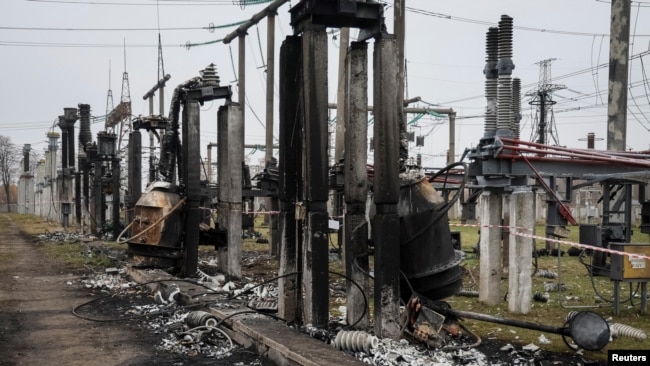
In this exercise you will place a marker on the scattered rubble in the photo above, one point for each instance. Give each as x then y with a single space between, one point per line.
184 332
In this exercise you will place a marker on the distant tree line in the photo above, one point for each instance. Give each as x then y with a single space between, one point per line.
9 167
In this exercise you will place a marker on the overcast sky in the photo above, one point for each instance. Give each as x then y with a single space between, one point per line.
56 54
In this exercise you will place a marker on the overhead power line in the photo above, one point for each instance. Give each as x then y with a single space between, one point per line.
484 22
240 3
210 28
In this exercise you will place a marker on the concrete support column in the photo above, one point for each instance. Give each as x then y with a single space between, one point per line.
451 154
619 44
289 289
315 174
230 156
117 169
387 104
521 249
135 174
505 234
192 177
355 236
271 220
490 206
99 198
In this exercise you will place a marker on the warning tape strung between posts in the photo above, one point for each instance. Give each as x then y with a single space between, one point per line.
525 232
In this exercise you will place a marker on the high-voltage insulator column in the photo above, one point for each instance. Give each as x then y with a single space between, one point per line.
491 200
491 81
516 107
505 66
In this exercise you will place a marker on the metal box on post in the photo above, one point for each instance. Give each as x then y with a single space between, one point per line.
627 268
630 269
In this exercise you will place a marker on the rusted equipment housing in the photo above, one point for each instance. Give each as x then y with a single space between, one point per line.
157 230
427 256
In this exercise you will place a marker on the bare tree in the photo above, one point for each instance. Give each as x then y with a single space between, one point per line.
9 159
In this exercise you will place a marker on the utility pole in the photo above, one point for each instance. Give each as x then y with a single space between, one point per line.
618 75
399 21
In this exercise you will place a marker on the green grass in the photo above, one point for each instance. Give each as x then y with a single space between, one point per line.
578 286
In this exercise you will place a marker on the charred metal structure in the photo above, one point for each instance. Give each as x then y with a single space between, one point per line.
66 123
164 231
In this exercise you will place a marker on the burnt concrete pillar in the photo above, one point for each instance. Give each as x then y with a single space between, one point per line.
355 234
385 225
192 178
290 136
315 251
230 155
116 178
135 174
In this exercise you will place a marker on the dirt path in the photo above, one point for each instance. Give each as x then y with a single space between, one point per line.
37 326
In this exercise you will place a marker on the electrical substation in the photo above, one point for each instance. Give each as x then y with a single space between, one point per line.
394 215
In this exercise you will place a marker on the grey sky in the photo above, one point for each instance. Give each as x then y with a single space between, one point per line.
43 71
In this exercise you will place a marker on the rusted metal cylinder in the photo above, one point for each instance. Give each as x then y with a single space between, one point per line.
157 228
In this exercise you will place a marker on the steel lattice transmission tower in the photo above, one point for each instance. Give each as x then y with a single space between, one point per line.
544 129
109 95
161 64
125 100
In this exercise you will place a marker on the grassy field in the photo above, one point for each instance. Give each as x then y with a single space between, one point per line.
74 253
